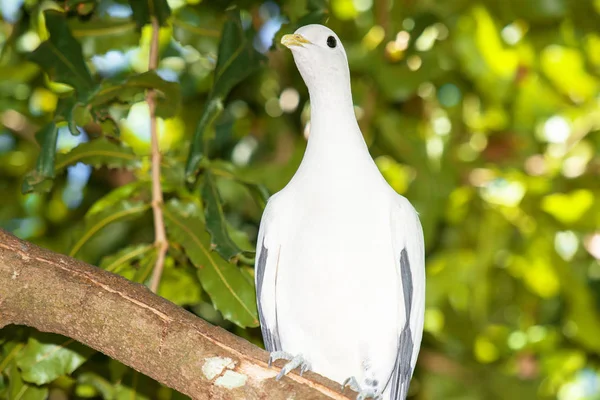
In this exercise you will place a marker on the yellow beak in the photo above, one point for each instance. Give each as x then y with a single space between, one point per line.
294 40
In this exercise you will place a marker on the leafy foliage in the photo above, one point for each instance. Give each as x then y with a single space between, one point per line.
485 115
45 358
231 292
61 56
215 219
144 10
237 60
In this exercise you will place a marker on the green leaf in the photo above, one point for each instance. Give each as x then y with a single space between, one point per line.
168 93
100 28
94 223
568 208
61 56
198 148
143 10
146 266
99 153
215 219
102 386
20 390
48 356
179 284
227 170
125 258
129 384
139 189
230 292
11 343
237 60
40 179
133 262
65 111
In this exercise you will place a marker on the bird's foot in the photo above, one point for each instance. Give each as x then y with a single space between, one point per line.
294 362
367 393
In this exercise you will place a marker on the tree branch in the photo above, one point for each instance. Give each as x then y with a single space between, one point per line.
160 237
124 320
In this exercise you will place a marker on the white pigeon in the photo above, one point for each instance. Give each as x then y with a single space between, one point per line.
340 270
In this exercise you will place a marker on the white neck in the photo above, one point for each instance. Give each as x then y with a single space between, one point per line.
334 132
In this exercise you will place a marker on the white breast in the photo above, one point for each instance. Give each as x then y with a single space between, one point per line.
337 283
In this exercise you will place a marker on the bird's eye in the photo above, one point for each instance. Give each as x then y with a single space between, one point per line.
331 42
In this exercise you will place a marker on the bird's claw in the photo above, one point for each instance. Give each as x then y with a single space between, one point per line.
294 362
363 394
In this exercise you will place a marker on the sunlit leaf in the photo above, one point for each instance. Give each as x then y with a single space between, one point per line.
48 356
231 293
20 390
179 284
568 208
123 210
124 258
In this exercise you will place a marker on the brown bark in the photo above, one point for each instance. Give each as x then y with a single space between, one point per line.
126 321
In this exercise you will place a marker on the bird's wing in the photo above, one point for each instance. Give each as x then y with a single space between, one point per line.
265 275
410 261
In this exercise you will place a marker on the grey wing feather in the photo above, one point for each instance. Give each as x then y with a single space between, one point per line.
270 333
403 366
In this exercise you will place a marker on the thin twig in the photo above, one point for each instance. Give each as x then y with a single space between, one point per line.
160 237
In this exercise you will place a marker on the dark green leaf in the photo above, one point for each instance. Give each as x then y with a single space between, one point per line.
198 148
20 390
65 112
95 222
168 93
40 179
61 56
237 60
143 10
231 293
215 219
48 356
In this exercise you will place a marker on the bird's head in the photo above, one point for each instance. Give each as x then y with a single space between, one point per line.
319 56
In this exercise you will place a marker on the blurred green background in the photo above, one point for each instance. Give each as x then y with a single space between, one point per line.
485 114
